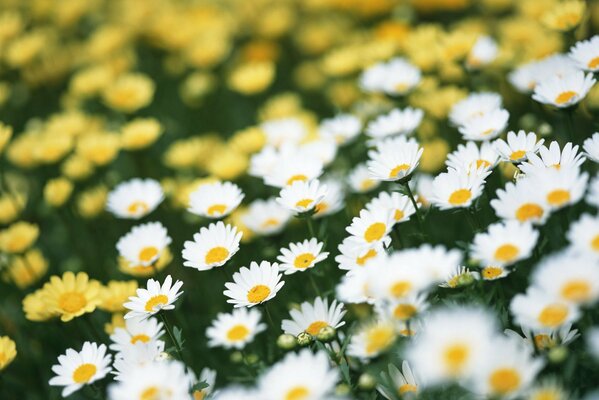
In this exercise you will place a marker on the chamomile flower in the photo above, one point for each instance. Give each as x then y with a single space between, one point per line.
564 91
371 339
583 235
135 198
396 122
333 200
537 309
592 197
254 285
586 54
295 166
401 77
317 379
470 156
548 388
284 131
486 126
136 356
215 200
483 52
504 243
302 196
136 330
475 105
313 317
154 298
353 288
517 146
144 244
398 204
519 201
343 128
360 180
403 309
77 369
438 261
458 188
394 160
402 382
591 147
372 79
371 226
545 339
211 247
263 162
266 217
493 272
524 78
459 276
235 330
560 188
552 157
392 278
355 253
301 256
323 148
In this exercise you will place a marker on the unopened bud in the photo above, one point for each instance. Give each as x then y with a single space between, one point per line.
342 389
286 341
304 339
558 354
366 381
236 357
326 334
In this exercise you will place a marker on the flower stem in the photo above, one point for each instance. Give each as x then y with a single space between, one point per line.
313 282
170 334
413 200
310 227
268 315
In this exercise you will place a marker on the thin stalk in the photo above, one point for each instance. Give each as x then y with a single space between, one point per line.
270 320
310 227
413 200
570 123
170 334
313 283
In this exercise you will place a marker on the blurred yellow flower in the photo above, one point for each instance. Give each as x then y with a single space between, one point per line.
10 207
191 152
129 92
196 86
57 191
5 135
91 81
116 321
8 351
143 271
140 133
248 141
99 148
565 15
115 294
434 155
18 237
25 48
252 78
91 202
27 269
35 308
77 167
227 164
71 295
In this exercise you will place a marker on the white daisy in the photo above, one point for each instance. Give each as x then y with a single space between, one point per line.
266 217
470 156
526 77
483 52
517 146
301 196
135 198
212 246
136 330
355 252
360 181
301 256
403 309
560 188
343 128
254 285
521 202
371 339
235 330
586 54
353 288
552 157
399 205
402 382
263 162
486 126
284 131
140 354
458 188
215 200
438 261
504 243
591 147
154 298
371 226
583 235
295 166
493 272
144 244
592 197
396 122
564 91
372 79
401 77
475 105
459 276
313 317
208 377
540 310
424 188
394 160
323 148
333 200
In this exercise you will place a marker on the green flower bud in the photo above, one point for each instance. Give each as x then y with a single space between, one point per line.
326 334
558 354
286 341
304 339
236 357
342 389
366 381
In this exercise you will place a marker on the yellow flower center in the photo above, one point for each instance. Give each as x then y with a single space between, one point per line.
455 357
542 341
297 393
270 222
158 300
492 272
258 293
407 388
140 338
148 253
367 184
198 395
482 163
595 243
506 252
460 197
594 63
84 373
518 154
138 207
369 254
577 290
395 171
399 214
558 197
216 255
295 178
378 339
504 381
401 289
564 97
553 315
71 302
151 393
304 203
303 260
487 131
238 333
529 211
404 311
547 394
216 209
315 327
401 87
375 232
321 207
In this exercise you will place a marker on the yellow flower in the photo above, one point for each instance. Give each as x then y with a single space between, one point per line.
140 133
196 86
71 295
565 15
280 106
5 135
91 81
192 152
236 219
92 202
51 147
8 351
99 148
129 93
115 294
208 50
252 78
116 321
26 269
227 164
20 150
57 191
143 270
77 167
35 308
248 141
434 155
18 237
10 207
25 48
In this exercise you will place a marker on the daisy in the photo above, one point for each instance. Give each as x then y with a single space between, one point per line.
353 288
333 200
591 147
403 309
215 200
521 203
561 187
263 162
371 226
77 369
548 388
135 198
401 77
372 79
394 160
136 330
398 204
266 217
552 157
586 54
208 377
343 128
438 261
483 52
312 318
154 299
392 278
317 379
526 77
592 197
354 253
371 339
545 339
486 126
235 393
583 235
539 310
323 148
475 105
71 296
254 285
144 244
493 272
564 91
403 382
301 197
301 256
235 330
396 122
296 166
517 146
459 276
360 181
458 188
470 156
131 357
212 246
504 243
284 131
424 188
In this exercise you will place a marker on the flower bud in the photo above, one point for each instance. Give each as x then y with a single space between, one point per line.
326 334
366 381
286 341
304 339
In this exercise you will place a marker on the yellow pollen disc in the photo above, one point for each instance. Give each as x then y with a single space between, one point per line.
402 87
487 132
556 166
594 63
367 184
577 290
547 394
295 178
378 339
258 293
407 388
216 255
542 341
303 260
304 203
84 373
147 253
395 171
406 332
270 223
455 357
528 211
404 311
558 197
553 315
518 154
151 393
398 215
198 395
369 254
237 333
297 393
460 197
138 207
491 272
504 381
321 207
375 232
158 300
506 252
564 97
315 327
216 209
595 243
140 338
482 163
72 302
401 289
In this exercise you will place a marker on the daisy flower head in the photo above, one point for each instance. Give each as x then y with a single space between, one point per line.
470 156
295 166
424 188
254 285
398 204
301 256
519 201
132 357
438 261
71 295
317 379
591 147
517 146
154 298
135 198
136 330
302 196
323 148
401 77
283 131
215 200
483 52
566 91
8 351
207 376
396 122
475 105
333 200
402 382
343 128
560 188
592 197
371 339
235 330
353 288
526 77
459 276
144 244
355 253
537 309
458 188
372 78
586 54
262 163
493 272
314 317
76 369
360 180
504 243
403 309
394 160
212 247
266 217
552 157
392 278
583 235
485 126
371 226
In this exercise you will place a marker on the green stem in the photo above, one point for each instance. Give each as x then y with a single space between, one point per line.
170 334
270 320
310 227
413 200
570 123
313 282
